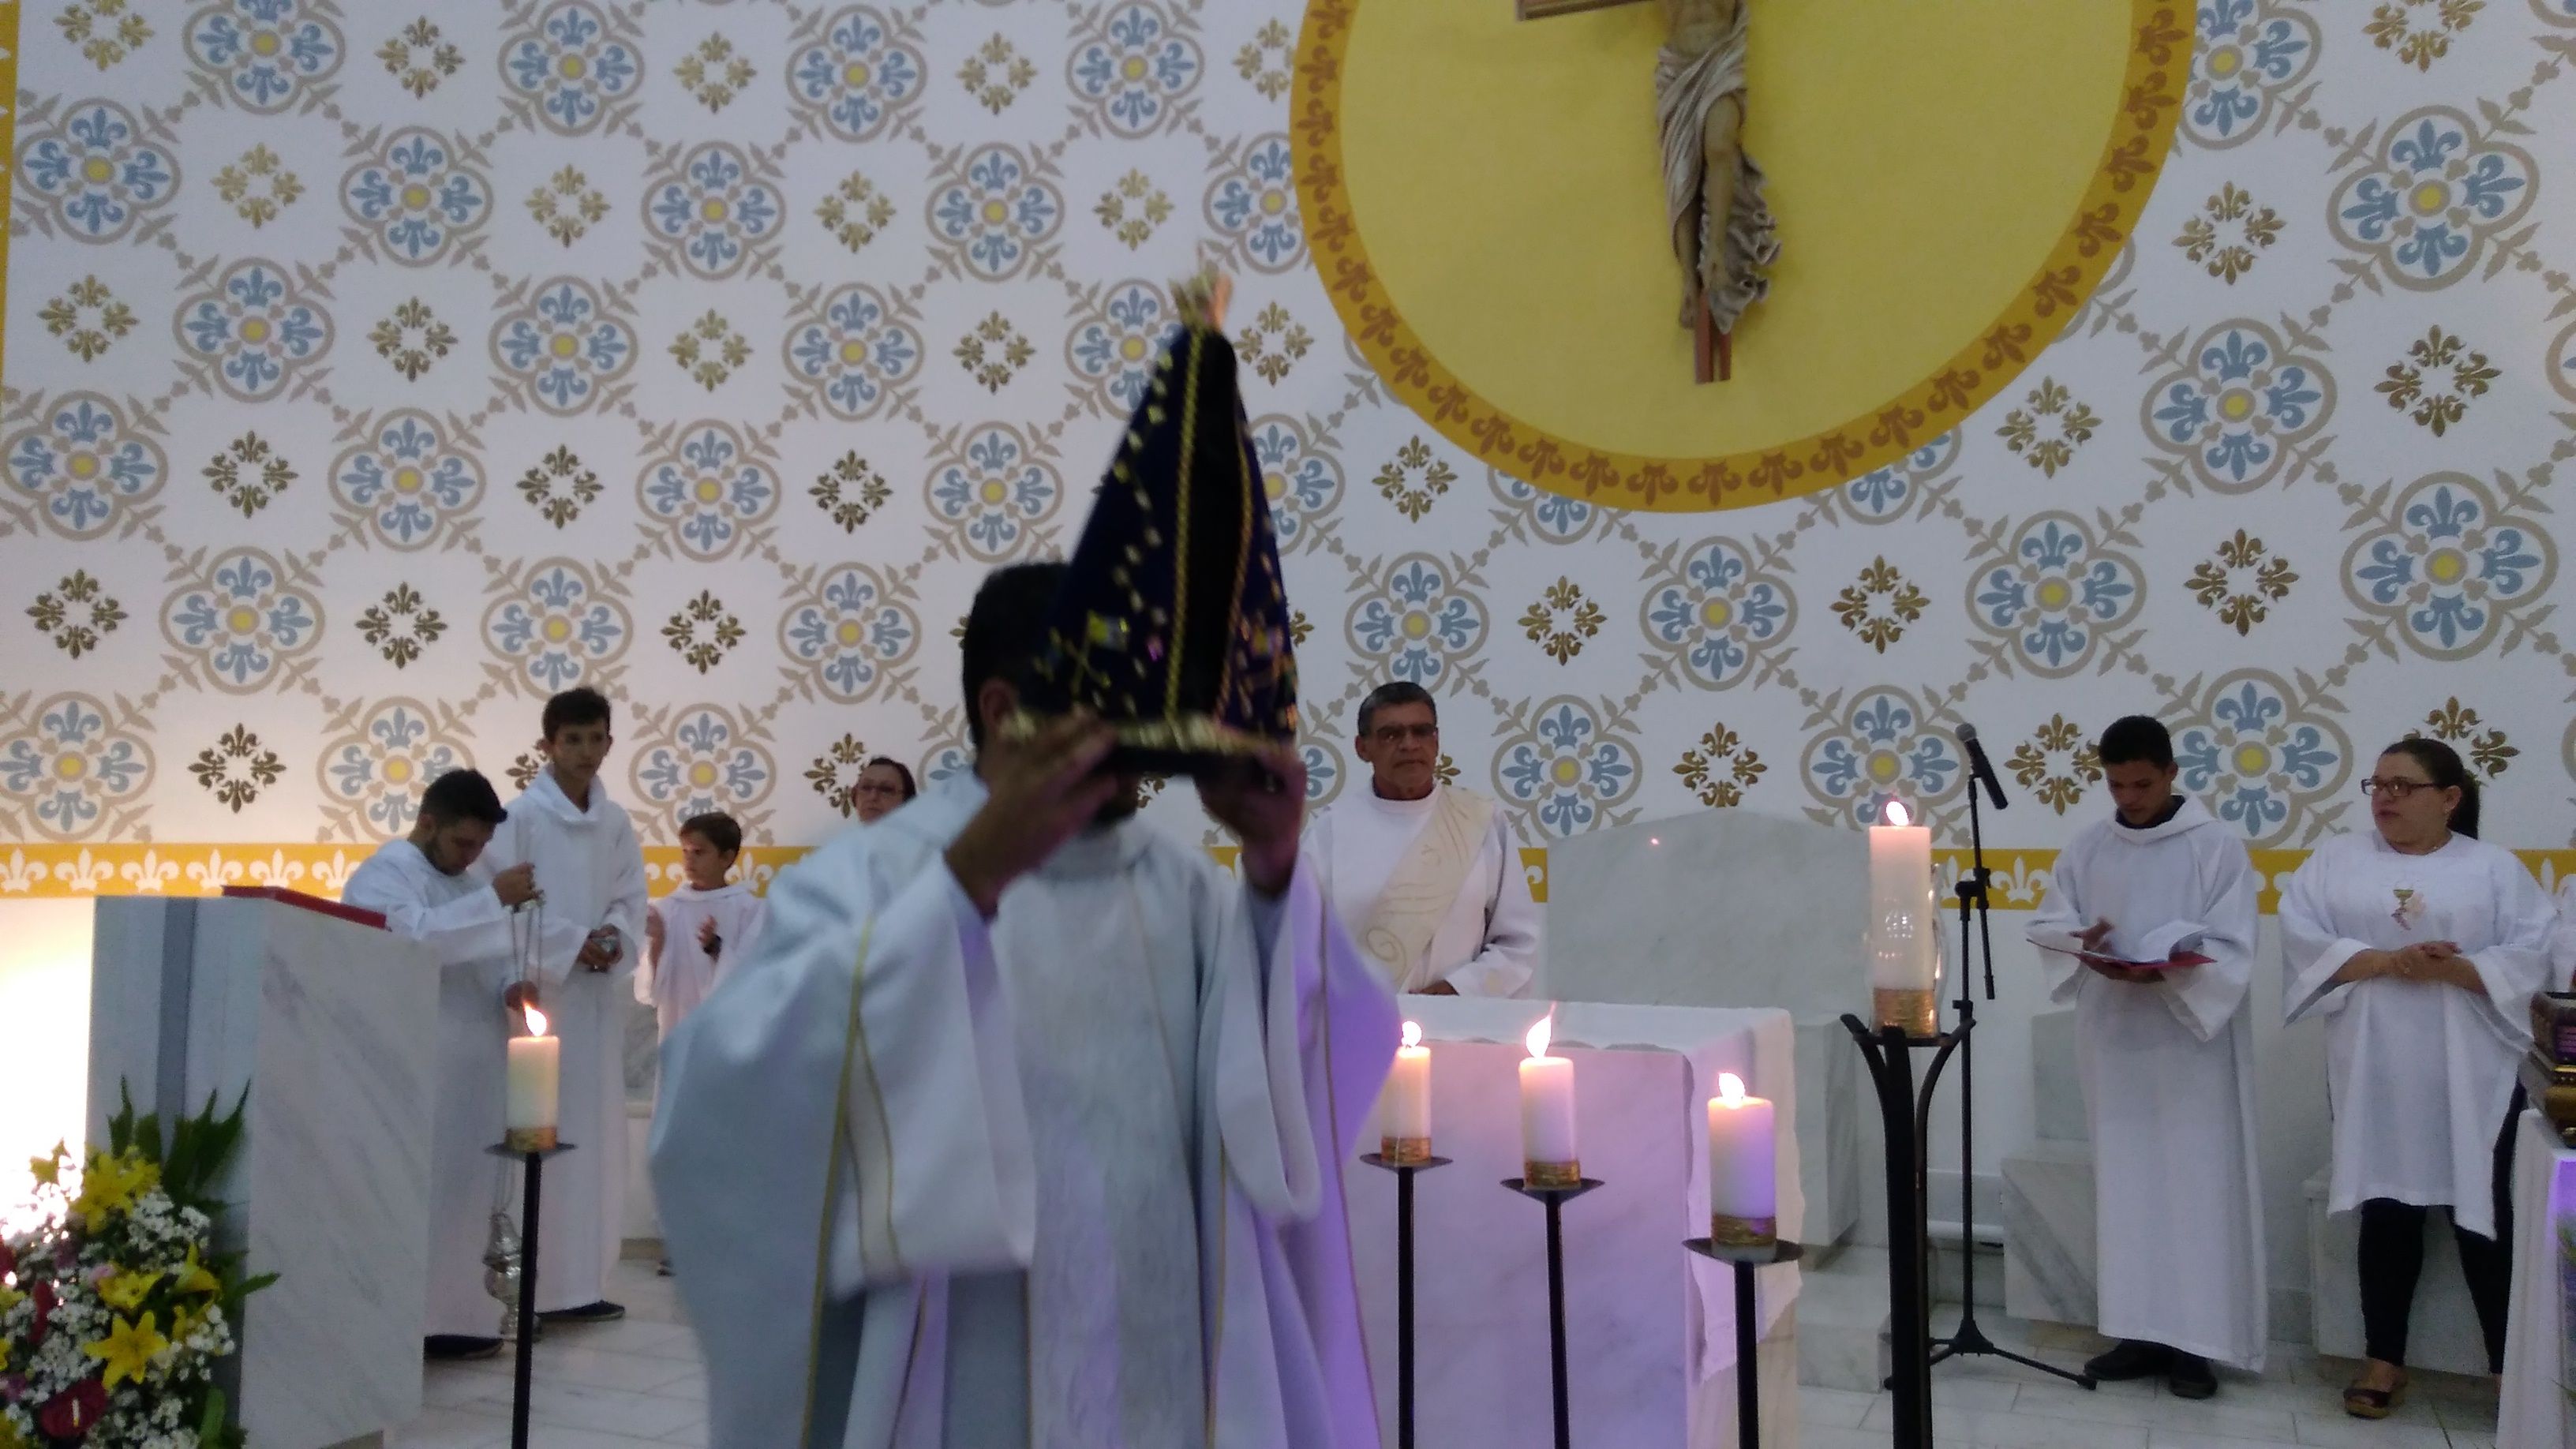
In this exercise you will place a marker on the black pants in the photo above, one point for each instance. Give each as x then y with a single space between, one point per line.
2392 1256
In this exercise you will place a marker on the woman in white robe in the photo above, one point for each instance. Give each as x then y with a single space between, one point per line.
2419 945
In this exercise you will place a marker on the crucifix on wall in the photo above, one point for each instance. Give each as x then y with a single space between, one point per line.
1721 226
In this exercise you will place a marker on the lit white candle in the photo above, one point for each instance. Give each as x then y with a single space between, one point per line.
1547 1113
528 1109
1743 1198
1904 927
1404 1120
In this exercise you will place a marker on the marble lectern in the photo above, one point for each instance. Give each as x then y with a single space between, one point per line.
331 1026
1730 908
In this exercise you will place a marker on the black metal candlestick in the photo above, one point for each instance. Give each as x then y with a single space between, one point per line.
534 1162
1556 1198
1404 1172
1905 1119
1748 1390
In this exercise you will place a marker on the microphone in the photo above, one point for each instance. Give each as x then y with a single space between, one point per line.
1979 771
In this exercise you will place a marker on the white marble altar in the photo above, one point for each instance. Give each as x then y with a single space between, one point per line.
2047 1199
2534 1407
1729 908
1650 1324
324 1021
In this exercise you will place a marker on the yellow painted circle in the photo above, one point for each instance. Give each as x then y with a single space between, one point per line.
407 480
1884 767
397 770
415 196
82 465
709 490
97 169
2430 197
848 633
565 344
853 352
2252 760
856 75
254 330
241 619
1275 484
266 42
1716 613
995 213
2054 594
1950 180
1132 349
702 775
558 629
993 491
1134 67
1566 770
2236 404
2446 566
572 67
70 767
713 210
1417 625
2226 61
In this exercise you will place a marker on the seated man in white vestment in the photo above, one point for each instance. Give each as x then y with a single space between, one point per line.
424 885
1426 875
2166 1053
1023 1125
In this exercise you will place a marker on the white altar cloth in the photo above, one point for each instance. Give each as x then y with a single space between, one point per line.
2533 1411
1651 1326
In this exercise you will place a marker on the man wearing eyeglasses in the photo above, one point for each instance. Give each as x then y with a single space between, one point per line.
1426 875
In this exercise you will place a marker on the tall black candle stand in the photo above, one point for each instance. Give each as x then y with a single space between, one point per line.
1556 1198
1404 1172
534 1161
1748 1390
1905 1119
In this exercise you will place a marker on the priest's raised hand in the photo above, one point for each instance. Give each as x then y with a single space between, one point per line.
1043 792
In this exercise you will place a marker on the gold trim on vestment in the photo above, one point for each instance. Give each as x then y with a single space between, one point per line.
1181 536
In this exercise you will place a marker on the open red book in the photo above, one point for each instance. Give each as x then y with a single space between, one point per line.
2182 958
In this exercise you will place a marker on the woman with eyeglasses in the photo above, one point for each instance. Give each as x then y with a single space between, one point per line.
883 786
2420 945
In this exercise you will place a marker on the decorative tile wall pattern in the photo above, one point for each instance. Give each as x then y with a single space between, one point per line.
376 371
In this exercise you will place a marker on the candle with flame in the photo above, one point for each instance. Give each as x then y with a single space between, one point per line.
1743 1198
1904 927
536 1060
1404 1118
1547 1113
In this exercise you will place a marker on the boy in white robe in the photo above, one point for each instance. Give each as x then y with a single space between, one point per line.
425 885
2420 945
1026 1127
591 872
1426 875
699 931
2166 1056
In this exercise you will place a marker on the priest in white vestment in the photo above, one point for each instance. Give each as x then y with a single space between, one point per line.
427 889
2420 945
2167 1060
590 870
1425 874
1024 1128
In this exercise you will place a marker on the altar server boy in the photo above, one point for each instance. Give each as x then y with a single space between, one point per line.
2165 1050
591 872
702 929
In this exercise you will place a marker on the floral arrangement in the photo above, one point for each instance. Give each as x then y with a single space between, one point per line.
115 1308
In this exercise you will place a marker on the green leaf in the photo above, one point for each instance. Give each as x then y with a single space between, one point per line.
210 1425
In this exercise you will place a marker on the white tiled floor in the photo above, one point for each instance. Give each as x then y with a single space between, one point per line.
637 1383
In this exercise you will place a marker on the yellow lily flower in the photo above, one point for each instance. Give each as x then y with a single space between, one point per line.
124 1291
128 1350
184 1322
193 1277
48 1169
110 1183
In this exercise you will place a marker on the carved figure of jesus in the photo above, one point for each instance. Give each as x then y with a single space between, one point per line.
1721 225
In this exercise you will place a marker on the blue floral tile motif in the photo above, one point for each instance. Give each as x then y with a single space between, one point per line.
993 491
416 196
265 55
1324 773
2428 204
715 211
2055 594
255 329
2561 366
2250 53
1417 622
243 621
858 76
2447 563
948 762
994 212
2239 406
2556 12
855 351
709 762
1566 769
94 173
72 766
563 345
81 465
570 67
1114 342
1880 749
376 770
708 491
1886 494
1138 62
1553 517
555 625
848 631
1253 204
1714 611
1303 483
408 481
2259 761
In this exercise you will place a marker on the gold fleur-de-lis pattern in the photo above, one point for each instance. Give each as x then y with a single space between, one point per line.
381 370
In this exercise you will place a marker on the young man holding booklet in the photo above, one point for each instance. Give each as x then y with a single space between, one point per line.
2148 928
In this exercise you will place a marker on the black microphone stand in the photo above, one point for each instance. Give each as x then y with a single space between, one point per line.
1975 929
